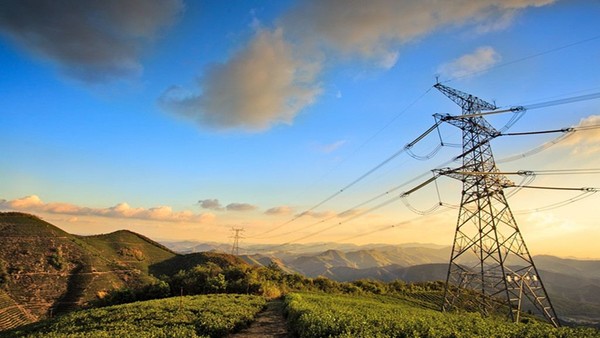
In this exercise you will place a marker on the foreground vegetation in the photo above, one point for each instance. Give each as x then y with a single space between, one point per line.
324 315
189 316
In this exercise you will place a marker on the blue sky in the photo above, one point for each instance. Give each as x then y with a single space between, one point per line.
182 119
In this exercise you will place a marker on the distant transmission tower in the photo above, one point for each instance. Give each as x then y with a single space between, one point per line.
489 254
235 248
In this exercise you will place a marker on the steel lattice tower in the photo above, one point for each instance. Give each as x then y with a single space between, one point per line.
235 248
489 254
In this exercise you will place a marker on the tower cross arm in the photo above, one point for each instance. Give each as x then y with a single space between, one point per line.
467 102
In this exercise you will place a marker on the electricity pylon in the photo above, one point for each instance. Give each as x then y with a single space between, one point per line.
489 254
235 248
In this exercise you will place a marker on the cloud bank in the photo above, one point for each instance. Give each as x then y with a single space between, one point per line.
214 204
276 75
122 210
93 41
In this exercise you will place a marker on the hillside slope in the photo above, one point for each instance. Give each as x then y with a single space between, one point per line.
326 315
45 270
191 316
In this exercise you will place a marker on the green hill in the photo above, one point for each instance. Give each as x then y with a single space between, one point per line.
324 315
129 249
185 262
45 270
191 316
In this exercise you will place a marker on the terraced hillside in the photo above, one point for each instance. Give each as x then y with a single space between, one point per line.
11 313
46 271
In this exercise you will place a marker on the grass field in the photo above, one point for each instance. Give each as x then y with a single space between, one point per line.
323 315
190 316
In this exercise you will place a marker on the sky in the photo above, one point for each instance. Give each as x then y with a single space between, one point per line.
184 119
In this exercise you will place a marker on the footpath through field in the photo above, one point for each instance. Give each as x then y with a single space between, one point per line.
269 323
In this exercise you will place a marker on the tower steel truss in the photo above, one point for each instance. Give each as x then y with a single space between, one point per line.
489 255
235 248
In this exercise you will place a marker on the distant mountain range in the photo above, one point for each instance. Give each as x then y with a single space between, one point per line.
573 285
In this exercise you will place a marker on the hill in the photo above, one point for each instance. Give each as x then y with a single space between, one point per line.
45 270
190 316
326 315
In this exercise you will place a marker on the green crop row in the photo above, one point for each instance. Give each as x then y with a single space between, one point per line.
322 315
190 316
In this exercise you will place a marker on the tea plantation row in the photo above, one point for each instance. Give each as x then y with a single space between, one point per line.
313 315
190 316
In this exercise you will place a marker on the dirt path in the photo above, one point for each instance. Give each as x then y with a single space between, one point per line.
269 323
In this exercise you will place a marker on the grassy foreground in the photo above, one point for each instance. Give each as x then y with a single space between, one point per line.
313 315
190 316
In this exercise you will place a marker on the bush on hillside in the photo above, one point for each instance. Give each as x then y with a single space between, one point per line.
3 274
157 290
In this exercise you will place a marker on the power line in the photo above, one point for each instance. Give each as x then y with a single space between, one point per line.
383 228
568 171
361 204
535 150
372 137
436 206
439 120
517 109
582 195
360 178
408 147
530 172
586 189
504 64
381 205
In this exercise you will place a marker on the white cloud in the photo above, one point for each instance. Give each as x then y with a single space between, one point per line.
263 84
480 60
122 210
